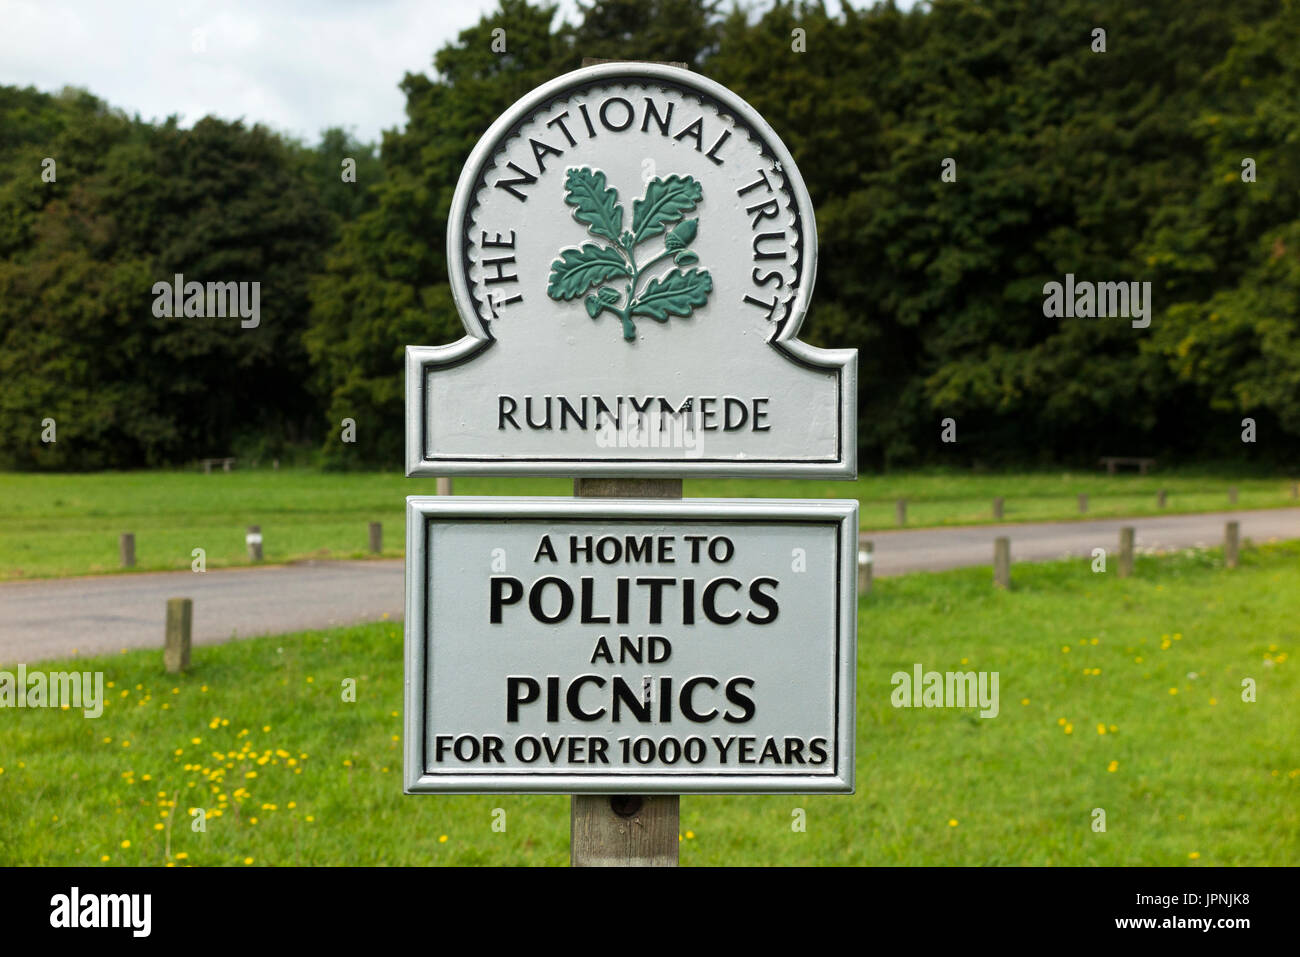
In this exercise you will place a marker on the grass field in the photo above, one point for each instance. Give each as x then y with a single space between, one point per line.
53 525
1186 771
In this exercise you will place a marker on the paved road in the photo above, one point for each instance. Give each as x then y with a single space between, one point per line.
939 548
50 618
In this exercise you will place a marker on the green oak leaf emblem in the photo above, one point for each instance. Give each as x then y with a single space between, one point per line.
660 212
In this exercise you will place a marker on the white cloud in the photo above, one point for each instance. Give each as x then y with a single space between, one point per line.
296 66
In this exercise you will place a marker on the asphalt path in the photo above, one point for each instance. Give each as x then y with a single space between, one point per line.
55 618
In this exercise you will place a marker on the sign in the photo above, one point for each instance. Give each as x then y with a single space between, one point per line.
632 251
639 646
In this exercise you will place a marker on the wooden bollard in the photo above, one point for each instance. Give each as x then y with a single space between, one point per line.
1232 495
1126 551
1002 561
376 538
1083 504
1160 499
997 509
900 511
254 542
1231 538
176 650
444 485
127 547
865 558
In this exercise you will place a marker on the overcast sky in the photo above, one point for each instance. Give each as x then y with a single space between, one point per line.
298 66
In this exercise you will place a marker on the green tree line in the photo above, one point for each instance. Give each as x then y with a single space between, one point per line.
961 154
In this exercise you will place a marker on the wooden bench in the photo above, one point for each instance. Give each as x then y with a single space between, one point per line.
226 465
1113 461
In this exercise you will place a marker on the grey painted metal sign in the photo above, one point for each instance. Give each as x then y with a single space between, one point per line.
632 250
571 645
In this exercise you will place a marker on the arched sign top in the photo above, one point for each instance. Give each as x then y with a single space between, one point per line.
632 251
707 134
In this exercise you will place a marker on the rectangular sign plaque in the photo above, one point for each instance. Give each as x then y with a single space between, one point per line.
630 646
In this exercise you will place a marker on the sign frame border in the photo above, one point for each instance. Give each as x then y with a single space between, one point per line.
420 360
421 510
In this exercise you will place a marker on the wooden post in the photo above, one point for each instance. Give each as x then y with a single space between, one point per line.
376 538
901 511
1231 537
254 542
176 650
865 557
1083 504
1160 499
444 485
1002 562
624 830
997 509
1232 495
127 547
621 830
1126 551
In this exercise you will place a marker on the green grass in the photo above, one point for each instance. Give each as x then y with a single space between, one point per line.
52 525
1198 772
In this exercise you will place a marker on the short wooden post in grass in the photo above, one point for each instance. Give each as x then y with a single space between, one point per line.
254 542
1160 499
444 485
376 538
1232 495
900 510
865 558
176 650
1126 551
1231 538
1083 504
1002 561
127 547
997 509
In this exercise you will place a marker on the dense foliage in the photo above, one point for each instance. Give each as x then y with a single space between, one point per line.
1123 165
129 205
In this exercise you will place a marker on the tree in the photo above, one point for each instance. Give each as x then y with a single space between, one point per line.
1230 257
134 205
